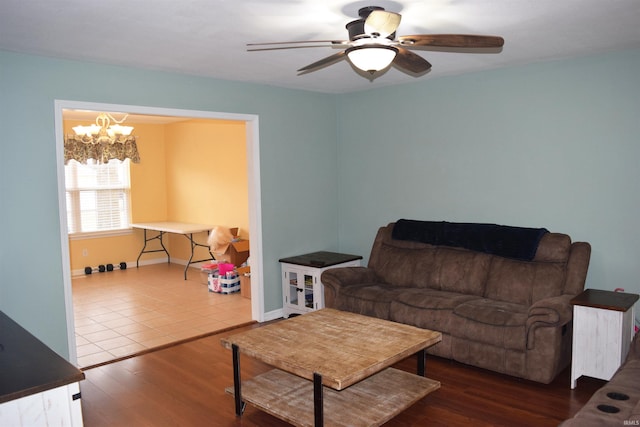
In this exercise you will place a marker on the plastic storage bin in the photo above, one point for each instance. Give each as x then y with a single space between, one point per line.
227 284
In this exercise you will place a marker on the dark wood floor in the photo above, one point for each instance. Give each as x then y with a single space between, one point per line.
184 385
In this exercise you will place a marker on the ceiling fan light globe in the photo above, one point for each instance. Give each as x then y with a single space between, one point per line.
371 58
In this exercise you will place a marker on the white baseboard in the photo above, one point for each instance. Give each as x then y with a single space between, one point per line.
273 315
197 265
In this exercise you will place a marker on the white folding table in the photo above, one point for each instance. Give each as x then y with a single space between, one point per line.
186 229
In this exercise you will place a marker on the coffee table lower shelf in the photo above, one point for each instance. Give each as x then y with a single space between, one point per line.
370 402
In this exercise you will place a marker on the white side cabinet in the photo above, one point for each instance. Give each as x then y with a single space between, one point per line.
302 289
603 327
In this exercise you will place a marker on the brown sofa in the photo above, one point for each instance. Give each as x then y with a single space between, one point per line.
617 403
494 311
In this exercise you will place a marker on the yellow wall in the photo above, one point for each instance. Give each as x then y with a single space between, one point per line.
104 250
206 178
149 177
175 181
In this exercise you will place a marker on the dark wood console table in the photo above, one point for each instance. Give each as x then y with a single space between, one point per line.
36 383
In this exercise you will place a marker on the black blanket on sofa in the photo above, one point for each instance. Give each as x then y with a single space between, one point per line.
510 242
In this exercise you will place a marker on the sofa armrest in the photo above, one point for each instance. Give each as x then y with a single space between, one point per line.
548 312
335 279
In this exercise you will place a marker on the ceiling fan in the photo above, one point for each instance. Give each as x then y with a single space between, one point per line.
373 46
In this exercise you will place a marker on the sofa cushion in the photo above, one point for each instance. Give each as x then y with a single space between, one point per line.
426 308
498 323
462 271
522 282
405 267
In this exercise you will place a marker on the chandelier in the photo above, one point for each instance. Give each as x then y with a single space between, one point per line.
103 141
103 131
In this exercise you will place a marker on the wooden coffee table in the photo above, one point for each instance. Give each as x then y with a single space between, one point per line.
332 365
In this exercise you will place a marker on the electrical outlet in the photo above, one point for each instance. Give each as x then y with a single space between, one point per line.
85 252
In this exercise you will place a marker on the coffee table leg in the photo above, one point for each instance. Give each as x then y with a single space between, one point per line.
237 392
318 410
422 354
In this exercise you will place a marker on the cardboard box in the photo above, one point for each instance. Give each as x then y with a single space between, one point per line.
236 253
245 281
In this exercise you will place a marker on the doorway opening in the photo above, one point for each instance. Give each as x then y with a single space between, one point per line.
254 201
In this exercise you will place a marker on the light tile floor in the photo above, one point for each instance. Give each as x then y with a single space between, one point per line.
124 312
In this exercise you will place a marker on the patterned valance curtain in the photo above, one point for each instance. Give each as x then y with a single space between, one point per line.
101 149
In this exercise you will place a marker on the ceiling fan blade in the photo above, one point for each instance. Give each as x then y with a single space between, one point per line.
259 49
410 61
451 40
382 22
329 60
299 42
293 45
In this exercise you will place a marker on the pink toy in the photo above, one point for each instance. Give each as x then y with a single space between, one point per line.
223 268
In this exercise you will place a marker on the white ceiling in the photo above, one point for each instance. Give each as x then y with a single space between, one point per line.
208 37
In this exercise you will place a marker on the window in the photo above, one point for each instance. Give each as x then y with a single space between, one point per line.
98 197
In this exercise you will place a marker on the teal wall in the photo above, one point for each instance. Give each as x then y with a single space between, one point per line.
298 171
553 145
550 145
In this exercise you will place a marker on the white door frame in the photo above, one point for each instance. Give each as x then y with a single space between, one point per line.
255 211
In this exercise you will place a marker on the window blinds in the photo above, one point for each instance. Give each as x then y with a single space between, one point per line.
98 196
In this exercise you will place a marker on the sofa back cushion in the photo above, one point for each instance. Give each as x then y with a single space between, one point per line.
553 247
405 267
419 265
461 271
524 282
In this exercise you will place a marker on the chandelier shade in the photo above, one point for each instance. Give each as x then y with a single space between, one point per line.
75 148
